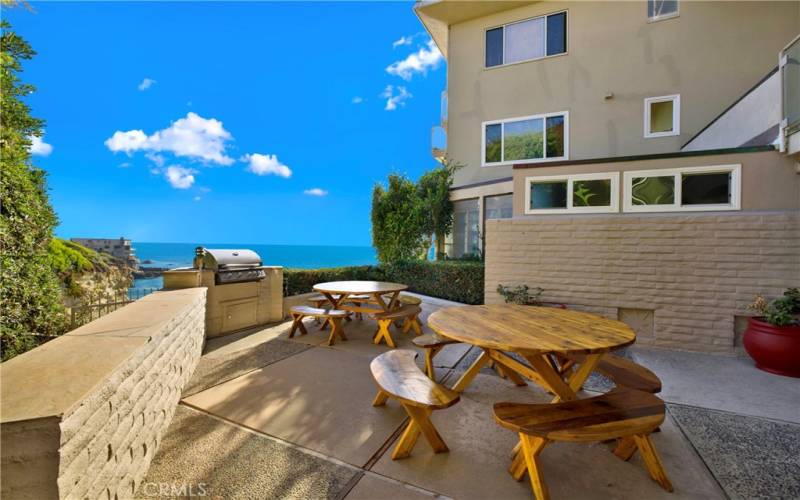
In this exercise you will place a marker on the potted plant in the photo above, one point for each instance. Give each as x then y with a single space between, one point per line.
772 338
526 296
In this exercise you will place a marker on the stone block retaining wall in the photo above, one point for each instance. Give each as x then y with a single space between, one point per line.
679 280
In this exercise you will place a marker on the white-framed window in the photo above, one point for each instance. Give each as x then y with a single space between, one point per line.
526 40
526 139
658 10
689 189
662 116
562 194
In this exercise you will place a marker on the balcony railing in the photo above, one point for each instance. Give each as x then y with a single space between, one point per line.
790 83
444 110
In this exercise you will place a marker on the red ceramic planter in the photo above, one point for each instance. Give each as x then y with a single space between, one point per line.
775 349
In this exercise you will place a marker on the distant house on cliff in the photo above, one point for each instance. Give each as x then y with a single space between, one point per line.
118 248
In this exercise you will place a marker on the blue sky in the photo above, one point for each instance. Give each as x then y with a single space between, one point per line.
230 123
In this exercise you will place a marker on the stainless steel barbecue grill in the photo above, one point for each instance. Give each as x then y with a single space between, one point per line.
229 266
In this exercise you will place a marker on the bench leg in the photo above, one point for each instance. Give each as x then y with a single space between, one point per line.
518 467
383 333
324 324
421 417
625 448
380 399
336 330
407 441
429 355
412 322
652 461
531 448
297 322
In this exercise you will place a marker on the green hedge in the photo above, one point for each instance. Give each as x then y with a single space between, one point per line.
460 281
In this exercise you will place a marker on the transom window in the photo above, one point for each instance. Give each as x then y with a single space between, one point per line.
662 116
685 189
587 193
661 9
527 40
527 139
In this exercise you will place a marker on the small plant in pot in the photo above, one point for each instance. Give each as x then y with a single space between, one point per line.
526 296
772 338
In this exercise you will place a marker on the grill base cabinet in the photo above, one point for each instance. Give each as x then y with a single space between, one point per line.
231 307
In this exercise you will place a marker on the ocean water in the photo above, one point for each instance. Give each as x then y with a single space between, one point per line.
294 256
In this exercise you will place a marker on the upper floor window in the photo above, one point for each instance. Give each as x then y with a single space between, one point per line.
526 139
527 40
662 116
661 9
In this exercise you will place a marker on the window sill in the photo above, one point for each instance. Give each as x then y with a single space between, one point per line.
665 17
566 211
656 135
523 162
543 58
640 209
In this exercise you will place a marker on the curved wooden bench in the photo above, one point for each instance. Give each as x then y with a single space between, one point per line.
398 377
385 319
410 300
334 316
620 413
625 373
432 343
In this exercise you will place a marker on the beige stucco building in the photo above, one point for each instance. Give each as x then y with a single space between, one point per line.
613 136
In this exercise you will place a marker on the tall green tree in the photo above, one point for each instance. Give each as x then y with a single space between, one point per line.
398 221
434 194
30 294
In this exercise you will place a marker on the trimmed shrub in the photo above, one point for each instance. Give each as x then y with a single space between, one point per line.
460 281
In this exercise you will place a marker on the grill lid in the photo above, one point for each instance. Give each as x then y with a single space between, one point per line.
219 259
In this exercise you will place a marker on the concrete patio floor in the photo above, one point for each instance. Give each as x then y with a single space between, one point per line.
270 417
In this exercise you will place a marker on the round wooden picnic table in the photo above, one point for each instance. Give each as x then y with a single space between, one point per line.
534 333
338 291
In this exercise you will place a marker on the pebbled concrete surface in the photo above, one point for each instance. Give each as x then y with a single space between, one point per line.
320 399
750 457
229 462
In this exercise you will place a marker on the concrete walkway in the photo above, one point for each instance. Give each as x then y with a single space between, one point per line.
270 417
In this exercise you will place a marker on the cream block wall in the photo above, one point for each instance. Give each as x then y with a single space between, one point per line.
83 415
679 280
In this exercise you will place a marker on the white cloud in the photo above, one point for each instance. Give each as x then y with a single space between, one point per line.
315 192
156 158
395 96
266 164
192 137
180 177
403 40
124 165
146 84
197 198
357 100
420 61
39 147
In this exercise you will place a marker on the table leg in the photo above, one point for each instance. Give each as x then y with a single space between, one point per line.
551 377
470 374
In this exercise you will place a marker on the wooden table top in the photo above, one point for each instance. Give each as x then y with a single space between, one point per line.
357 287
530 329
